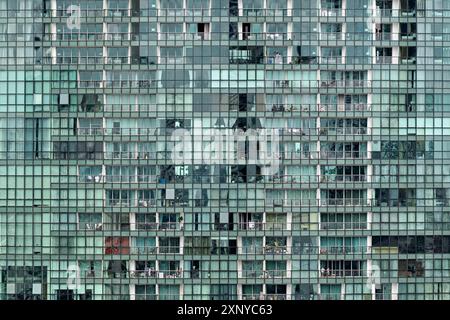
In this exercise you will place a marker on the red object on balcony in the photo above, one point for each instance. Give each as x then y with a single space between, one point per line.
117 245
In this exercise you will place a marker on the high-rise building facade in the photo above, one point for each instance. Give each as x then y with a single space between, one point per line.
115 182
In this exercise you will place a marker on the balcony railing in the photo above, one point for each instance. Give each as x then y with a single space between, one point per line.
329 296
276 36
383 36
273 249
344 250
90 131
174 250
251 225
253 296
342 131
198 36
331 60
170 274
290 155
272 296
331 12
149 273
343 225
345 202
344 107
290 202
325 154
343 178
146 203
117 36
198 12
154 250
342 273
130 178
253 12
344 83
119 12
278 12
171 36
255 274
386 13
144 250
90 178
117 60
332 36
88 36
252 249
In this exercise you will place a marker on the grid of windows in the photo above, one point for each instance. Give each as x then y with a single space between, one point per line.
94 92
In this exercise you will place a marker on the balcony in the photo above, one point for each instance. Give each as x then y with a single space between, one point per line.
276 59
179 36
343 178
344 107
144 250
331 36
171 12
344 250
342 131
198 12
273 296
118 12
331 12
282 84
253 296
117 36
339 273
331 60
326 154
292 155
383 36
385 12
150 273
343 225
344 83
251 225
92 226
384 60
253 12
408 36
345 202
276 36
198 36
130 178
90 178
274 249
146 203
117 60
252 274
166 250
252 249
90 131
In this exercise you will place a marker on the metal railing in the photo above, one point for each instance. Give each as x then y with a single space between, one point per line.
344 83
333 273
344 249
325 154
90 131
342 131
330 36
343 225
345 202
344 107
343 178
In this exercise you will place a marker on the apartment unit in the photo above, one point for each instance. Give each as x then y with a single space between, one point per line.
354 92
